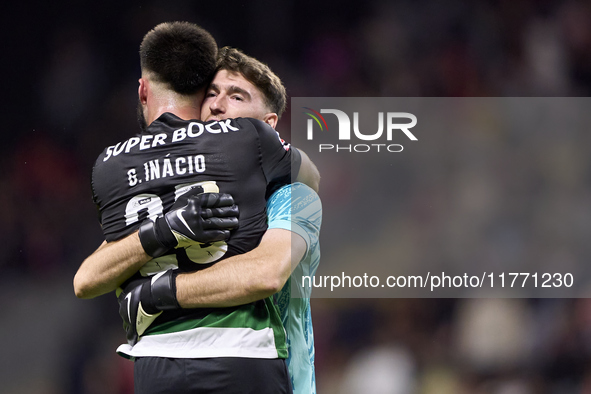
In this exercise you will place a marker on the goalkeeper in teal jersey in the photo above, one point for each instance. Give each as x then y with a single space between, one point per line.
297 208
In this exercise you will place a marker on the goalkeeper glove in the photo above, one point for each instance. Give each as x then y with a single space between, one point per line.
141 305
195 217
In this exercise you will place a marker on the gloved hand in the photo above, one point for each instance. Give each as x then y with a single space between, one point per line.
143 303
195 217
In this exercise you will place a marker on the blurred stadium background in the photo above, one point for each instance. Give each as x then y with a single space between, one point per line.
70 89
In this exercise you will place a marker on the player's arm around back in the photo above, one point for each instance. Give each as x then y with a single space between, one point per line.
195 217
245 278
308 173
109 266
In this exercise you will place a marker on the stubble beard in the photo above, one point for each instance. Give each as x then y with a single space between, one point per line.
141 118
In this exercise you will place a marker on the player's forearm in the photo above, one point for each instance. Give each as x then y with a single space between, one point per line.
308 173
241 279
109 266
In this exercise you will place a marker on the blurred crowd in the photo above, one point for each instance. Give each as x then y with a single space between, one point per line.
72 90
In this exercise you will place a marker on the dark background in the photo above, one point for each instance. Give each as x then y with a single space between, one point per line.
69 88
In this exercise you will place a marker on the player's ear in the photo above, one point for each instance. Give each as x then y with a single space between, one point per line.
271 119
142 91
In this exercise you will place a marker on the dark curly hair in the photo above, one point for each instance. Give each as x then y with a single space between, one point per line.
180 54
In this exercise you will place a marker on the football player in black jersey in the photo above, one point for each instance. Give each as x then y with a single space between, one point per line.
139 179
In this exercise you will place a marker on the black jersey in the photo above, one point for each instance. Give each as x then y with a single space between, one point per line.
142 177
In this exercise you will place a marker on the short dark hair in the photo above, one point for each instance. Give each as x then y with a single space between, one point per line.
257 73
180 54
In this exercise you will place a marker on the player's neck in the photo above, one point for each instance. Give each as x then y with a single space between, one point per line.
163 100
185 112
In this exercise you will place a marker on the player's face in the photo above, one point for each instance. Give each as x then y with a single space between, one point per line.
230 95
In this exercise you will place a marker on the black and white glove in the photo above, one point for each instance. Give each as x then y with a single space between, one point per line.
143 303
195 217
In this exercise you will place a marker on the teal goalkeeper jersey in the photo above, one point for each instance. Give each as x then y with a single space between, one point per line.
297 208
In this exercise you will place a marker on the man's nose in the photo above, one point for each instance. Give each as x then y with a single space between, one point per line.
217 105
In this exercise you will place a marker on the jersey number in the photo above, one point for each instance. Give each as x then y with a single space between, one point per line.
149 206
